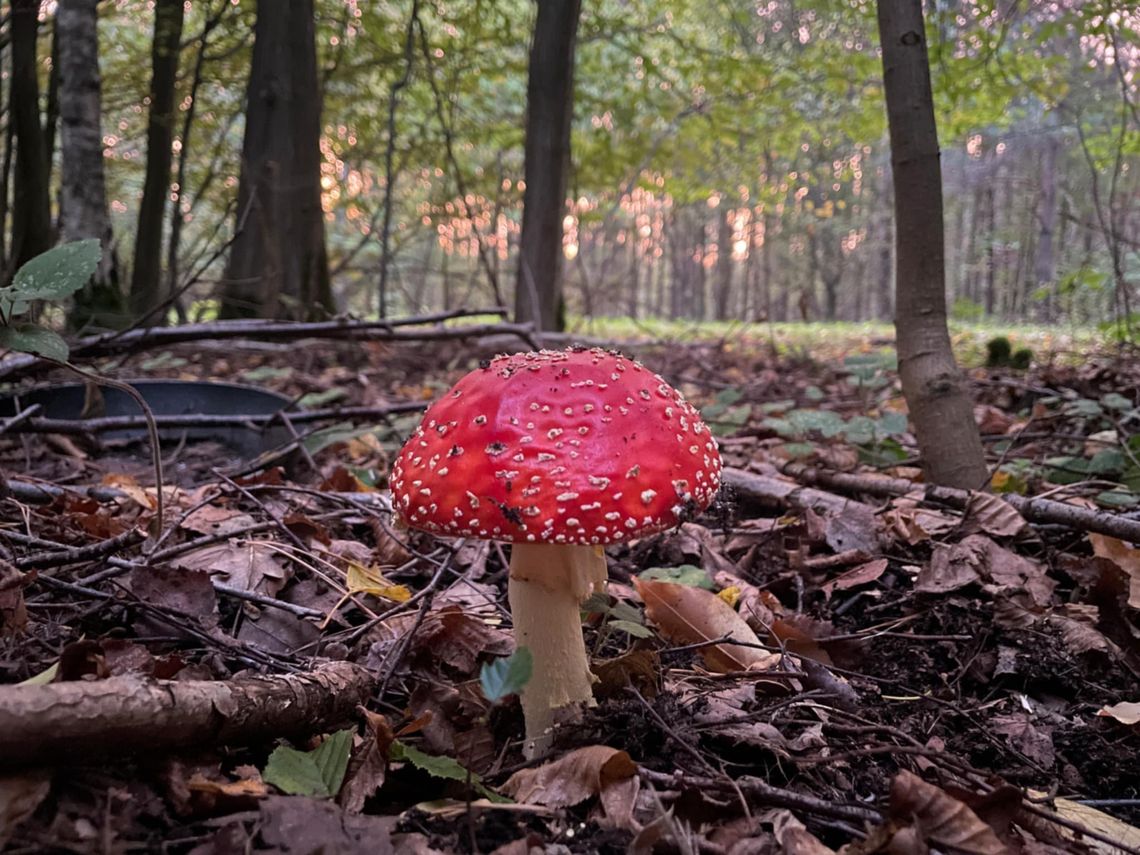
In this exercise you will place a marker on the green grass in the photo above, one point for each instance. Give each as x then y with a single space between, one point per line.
824 341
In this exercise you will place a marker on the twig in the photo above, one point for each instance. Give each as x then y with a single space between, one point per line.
105 424
763 793
79 554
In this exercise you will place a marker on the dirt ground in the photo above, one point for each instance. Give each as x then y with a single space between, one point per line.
961 681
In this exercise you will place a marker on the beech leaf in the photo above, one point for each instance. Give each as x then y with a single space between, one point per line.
687 615
310 773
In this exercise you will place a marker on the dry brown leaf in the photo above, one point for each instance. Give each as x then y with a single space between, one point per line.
1125 712
1089 817
942 819
252 565
13 611
187 591
369 764
595 770
20 795
639 668
914 524
252 787
994 515
979 559
860 575
1033 739
210 519
687 615
794 837
1123 556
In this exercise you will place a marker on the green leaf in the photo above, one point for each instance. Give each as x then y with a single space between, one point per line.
506 675
314 400
442 767
55 274
28 338
684 574
1116 401
637 630
319 772
1117 498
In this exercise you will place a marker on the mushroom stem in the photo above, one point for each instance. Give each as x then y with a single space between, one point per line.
547 585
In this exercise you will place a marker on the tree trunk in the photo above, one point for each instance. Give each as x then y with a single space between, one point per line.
31 203
550 107
278 264
935 389
1045 262
83 197
723 284
146 288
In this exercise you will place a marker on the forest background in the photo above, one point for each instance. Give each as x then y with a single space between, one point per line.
729 160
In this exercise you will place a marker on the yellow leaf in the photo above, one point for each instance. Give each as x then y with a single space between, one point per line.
730 595
369 580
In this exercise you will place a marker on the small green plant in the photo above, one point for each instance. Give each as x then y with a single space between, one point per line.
506 675
1000 354
52 277
998 350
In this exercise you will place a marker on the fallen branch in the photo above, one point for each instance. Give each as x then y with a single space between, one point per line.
105 424
350 330
130 715
1034 510
780 493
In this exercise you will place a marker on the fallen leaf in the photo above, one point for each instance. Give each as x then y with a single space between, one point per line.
447 636
251 565
1032 739
13 611
1123 556
187 591
688 615
294 825
641 668
861 575
855 527
20 795
1125 836
940 818
210 519
368 768
1125 712
993 515
979 559
794 837
595 770
252 787
369 580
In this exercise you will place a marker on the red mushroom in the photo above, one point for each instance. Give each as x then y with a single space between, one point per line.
558 452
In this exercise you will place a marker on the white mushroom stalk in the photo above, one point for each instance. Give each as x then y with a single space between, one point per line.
547 586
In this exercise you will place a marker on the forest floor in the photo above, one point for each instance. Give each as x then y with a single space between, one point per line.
964 679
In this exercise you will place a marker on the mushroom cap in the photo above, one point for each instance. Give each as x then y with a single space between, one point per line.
575 446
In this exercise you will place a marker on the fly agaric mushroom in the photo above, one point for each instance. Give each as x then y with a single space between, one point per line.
560 453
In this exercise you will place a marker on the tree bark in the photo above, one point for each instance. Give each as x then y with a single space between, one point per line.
935 390
146 288
83 197
278 265
1045 262
31 203
128 715
550 108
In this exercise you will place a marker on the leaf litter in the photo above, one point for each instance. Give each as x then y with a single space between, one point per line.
880 676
